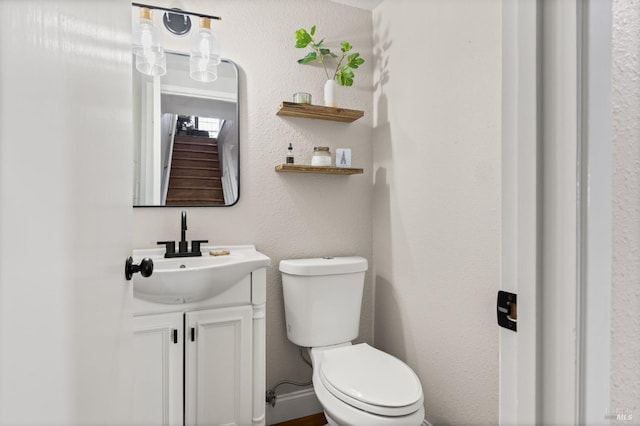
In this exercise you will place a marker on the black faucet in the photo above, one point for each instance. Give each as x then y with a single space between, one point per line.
183 245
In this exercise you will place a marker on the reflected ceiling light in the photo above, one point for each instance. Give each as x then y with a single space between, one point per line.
205 53
149 51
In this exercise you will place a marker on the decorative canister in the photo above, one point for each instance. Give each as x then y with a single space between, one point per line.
321 156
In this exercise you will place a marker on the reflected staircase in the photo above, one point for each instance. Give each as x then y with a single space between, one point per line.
195 177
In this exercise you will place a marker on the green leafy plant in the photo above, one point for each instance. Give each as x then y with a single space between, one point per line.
345 62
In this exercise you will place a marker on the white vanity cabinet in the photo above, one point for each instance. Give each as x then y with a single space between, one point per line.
159 351
218 367
202 363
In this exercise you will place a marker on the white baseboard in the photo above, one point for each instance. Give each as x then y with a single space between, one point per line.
297 404
293 406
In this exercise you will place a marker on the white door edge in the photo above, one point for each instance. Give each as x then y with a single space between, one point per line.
518 382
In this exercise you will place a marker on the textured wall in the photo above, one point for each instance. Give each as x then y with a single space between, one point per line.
625 314
284 215
437 199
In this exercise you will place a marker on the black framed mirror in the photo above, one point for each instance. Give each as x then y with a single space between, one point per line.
186 137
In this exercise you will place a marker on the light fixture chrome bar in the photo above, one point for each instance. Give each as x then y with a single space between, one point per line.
180 12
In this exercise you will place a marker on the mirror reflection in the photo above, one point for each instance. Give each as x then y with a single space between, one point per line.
186 138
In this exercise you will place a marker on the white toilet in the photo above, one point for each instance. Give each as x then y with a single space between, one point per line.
357 385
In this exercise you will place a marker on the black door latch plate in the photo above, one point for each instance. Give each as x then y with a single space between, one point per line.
507 310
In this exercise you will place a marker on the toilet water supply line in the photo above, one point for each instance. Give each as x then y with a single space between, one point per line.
271 393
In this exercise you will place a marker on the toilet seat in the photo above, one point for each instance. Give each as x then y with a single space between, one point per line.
371 380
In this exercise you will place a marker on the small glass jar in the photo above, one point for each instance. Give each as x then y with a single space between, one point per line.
321 156
302 98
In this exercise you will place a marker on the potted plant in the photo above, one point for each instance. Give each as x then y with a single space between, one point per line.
345 62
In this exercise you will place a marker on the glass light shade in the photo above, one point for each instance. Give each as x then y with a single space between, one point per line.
205 53
203 71
152 63
147 46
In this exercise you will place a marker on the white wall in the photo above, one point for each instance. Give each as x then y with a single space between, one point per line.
437 188
625 331
285 215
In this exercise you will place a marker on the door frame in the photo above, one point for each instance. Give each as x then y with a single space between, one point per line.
595 207
556 210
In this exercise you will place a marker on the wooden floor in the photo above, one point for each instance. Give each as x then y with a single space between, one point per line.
313 420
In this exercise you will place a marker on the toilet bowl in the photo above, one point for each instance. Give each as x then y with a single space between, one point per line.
357 385
360 385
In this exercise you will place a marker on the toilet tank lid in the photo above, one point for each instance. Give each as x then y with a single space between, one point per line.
324 266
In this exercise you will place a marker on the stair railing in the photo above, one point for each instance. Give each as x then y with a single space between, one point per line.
228 163
167 166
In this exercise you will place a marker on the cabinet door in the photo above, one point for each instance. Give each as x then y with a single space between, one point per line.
218 367
158 375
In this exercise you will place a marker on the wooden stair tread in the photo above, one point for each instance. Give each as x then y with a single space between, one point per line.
192 172
178 203
199 199
181 156
193 168
195 162
197 188
195 176
198 177
200 146
196 159
194 151
182 137
200 143
196 140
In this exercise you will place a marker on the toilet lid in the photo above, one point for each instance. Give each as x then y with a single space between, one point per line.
371 380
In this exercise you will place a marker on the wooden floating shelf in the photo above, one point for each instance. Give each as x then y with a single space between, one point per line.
344 115
296 168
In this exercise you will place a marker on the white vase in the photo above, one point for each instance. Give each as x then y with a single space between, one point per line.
330 93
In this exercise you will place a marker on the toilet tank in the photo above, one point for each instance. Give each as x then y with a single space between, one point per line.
322 299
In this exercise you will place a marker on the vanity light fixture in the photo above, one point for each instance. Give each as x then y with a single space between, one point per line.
205 53
149 51
147 46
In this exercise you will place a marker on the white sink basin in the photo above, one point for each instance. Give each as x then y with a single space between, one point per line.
190 279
